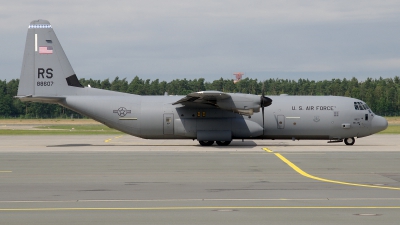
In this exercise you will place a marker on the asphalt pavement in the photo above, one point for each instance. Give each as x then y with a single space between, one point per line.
100 179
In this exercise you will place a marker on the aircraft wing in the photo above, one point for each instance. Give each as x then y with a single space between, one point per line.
244 104
203 97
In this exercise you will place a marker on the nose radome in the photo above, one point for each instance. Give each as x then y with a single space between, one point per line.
378 124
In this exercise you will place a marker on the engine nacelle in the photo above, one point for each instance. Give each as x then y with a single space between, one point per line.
244 104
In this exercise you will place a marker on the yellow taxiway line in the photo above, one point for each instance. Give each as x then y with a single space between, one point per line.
110 139
301 172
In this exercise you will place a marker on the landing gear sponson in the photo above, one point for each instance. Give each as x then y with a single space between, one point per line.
347 141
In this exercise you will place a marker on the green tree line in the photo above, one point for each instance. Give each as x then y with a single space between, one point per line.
382 95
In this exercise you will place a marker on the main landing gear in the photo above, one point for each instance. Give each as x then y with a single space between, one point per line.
349 141
209 143
206 143
223 143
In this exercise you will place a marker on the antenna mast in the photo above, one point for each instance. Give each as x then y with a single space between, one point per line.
238 76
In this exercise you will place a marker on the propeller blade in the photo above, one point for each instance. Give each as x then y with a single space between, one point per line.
264 102
263 105
263 120
263 89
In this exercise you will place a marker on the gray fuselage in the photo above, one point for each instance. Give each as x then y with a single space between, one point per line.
289 117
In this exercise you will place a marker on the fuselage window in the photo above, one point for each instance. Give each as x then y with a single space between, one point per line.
360 106
366 117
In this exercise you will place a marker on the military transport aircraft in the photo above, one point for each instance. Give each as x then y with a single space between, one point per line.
208 116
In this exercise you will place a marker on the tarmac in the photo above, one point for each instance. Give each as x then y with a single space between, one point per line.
100 179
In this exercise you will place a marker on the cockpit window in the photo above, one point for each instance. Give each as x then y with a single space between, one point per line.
360 106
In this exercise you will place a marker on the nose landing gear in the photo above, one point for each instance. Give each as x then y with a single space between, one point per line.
349 141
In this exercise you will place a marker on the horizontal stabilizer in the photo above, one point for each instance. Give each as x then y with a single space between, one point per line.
42 99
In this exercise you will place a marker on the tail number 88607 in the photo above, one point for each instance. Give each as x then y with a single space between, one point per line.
44 83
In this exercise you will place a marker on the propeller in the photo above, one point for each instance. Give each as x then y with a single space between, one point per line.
264 102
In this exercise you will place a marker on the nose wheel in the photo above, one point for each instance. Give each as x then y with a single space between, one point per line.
349 141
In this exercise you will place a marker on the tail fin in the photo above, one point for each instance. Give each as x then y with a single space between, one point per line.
46 71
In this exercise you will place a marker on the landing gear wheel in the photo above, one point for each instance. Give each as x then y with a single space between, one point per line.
223 143
349 141
206 143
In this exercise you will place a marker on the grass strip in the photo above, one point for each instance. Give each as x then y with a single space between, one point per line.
56 132
392 129
63 130
90 127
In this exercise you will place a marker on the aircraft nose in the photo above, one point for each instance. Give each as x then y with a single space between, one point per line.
379 124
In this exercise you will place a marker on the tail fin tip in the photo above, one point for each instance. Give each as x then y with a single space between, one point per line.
40 24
